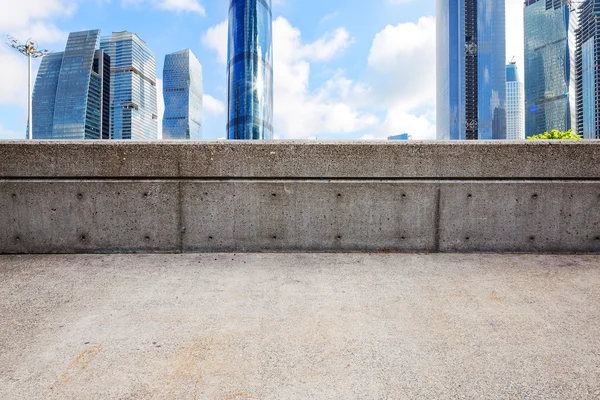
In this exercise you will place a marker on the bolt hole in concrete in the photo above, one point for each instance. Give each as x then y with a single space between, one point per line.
79 195
210 238
146 194
274 237
339 195
469 195
147 237
535 196
339 237
467 238
403 195
83 238
597 237
14 195
17 238
402 238
274 195
532 238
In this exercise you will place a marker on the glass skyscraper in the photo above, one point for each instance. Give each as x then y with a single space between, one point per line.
514 104
588 72
250 70
549 60
182 91
71 92
471 69
133 107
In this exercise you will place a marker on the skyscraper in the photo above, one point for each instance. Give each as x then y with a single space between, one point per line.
514 104
71 92
588 72
471 74
133 107
549 60
182 90
250 70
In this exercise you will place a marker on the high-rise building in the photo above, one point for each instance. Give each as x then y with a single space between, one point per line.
250 70
72 91
133 106
549 63
515 129
588 71
402 136
182 91
471 74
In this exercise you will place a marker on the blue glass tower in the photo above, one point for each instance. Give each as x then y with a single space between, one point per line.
71 92
471 74
182 91
250 70
549 86
588 72
133 107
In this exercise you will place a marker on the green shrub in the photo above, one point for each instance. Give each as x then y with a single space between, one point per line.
556 135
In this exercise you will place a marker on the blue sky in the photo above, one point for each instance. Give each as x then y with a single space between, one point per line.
344 69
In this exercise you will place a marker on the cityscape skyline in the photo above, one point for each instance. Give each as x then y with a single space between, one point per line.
370 122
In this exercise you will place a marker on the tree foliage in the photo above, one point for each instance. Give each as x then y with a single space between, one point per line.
556 135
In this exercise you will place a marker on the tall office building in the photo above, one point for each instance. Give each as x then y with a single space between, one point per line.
515 129
72 90
182 91
588 72
549 63
250 70
471 73
133 106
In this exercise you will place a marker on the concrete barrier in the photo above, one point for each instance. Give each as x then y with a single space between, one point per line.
78 197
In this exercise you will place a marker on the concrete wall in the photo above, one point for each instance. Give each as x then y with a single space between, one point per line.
72 197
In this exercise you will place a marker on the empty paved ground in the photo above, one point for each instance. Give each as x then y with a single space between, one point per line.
299 326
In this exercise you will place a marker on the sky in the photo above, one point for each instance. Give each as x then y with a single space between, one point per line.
343 69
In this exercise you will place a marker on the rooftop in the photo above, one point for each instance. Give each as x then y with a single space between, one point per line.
301 326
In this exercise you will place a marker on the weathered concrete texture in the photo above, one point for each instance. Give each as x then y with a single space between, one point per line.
299 326
83 216
292 159
320 216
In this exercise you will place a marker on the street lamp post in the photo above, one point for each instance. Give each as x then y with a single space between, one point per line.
30 50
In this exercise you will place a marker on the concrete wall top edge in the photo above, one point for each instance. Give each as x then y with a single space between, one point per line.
301 159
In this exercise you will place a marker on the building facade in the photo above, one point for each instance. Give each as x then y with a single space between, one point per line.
182 92
515 123
402 136
133 106
250 70
549 66
588 70
471 74
72 92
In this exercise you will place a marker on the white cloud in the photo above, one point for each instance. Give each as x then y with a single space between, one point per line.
514 33
23 20
402 68
170 5
212 106
215 39
300 112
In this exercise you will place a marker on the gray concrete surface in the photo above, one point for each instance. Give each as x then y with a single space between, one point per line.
97 197
299 326
301 159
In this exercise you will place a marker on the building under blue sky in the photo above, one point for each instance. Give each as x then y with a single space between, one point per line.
182 93
471 75
250 70
68 101
548 67
133 105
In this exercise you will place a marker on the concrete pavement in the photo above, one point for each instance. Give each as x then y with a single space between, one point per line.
299 326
